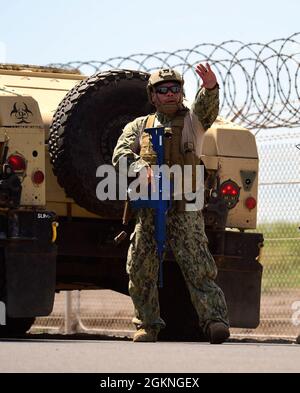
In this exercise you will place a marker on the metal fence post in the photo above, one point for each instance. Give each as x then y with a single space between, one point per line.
2 314
68 312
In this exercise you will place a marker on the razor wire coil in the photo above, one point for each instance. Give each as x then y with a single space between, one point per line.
260 83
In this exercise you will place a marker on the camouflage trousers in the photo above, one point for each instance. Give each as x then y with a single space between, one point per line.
187 239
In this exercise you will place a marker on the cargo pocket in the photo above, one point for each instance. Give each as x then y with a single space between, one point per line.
132 236
131 252
210 264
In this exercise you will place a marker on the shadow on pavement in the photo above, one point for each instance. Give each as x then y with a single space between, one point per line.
97 337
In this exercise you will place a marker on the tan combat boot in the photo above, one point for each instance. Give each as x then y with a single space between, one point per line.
148 335
218 332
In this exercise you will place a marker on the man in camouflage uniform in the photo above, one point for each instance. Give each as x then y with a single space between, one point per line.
185 229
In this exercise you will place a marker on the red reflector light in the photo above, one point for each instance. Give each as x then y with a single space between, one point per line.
230 192
230 189
251 203
38 177
17 163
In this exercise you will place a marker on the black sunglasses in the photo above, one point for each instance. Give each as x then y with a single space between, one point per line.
165 89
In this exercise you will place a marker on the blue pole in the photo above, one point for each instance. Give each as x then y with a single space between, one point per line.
160 205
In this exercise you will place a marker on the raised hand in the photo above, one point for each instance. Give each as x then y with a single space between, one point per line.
207 75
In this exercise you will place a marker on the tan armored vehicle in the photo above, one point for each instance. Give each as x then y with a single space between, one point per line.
56 129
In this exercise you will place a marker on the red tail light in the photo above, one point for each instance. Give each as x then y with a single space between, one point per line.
230 192
38 177
17 163
251 203
229 189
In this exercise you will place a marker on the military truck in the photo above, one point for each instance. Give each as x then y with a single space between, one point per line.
56 128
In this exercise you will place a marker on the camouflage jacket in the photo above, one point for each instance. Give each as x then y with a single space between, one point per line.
205 107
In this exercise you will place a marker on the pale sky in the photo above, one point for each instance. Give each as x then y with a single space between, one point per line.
39 32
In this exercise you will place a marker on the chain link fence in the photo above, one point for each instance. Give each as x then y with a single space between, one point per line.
279 221
271 109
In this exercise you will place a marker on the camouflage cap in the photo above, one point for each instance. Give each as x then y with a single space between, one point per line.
165 75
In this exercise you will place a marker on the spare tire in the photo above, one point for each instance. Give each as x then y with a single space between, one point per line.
85 130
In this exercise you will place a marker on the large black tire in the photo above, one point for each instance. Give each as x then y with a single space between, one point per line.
85 130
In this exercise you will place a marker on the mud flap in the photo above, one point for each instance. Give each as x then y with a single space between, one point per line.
239 274
30 279
30 264
241 284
